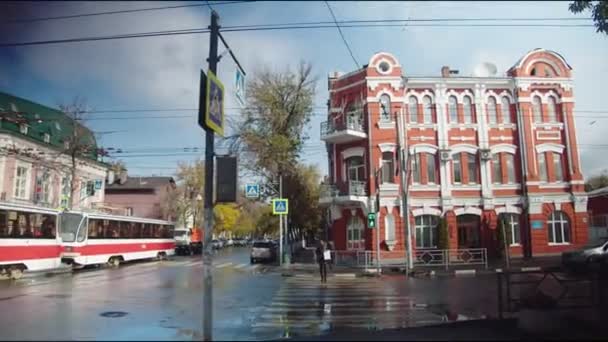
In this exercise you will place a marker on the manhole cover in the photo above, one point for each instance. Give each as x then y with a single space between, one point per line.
58 296
113 314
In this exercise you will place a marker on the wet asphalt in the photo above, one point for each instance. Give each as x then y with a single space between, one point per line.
163 301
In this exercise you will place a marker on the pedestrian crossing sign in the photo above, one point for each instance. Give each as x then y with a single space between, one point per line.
252 190
280 206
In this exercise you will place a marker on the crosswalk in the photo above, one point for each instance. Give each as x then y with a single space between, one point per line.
239 267
304 307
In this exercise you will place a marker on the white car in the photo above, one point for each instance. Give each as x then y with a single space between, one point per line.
592 253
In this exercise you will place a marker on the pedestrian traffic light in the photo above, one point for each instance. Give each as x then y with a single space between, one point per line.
371 220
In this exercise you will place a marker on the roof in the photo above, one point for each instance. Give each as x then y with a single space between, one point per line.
141 183
598 192
41 120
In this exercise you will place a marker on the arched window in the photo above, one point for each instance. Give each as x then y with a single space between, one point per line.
505 107
558 168
413 109
511 224
537 111
551 112
468 111
543 174
355 169
416 169
510 162
385 108
430 168
388 167
559 228
427 109
389 227
457 167
427 235
472 167
496 169
492 114
453 109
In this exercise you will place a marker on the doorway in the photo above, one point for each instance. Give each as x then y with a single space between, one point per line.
468 231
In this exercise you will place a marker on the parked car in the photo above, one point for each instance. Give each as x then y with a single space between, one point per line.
229 242
216 244
586 256
263 251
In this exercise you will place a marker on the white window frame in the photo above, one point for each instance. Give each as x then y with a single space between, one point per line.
496 169
558 222
506 110
430 172
390 233
385 113
492 111
552 109
537 109
543 170
23 128
467 106
416 172
391 178
412 107
510 162
453 109
476 168
558 167
512 220
355 223
426 222
22 186
47 138
427 109
457 159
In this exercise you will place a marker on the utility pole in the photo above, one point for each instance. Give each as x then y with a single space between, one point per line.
405 213
209 154
280 222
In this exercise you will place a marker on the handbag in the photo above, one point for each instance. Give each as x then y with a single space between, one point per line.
326 255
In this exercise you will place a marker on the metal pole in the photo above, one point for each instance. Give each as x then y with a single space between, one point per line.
378 233
280 222
209 153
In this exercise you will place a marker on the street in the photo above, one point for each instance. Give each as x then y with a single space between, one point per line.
163 301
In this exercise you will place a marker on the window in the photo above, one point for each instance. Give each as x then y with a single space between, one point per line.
413 109
23 129
558 167
389 227
129 211
83 190
505 107
559 228
496 169
468 111
453 109
427 109
533 72
47 138
542 168
66 145
457 166
43 187
385 108
384 66
355 168
537 111
472 167
551 112
430 167
388 167
27 225
21 182
511 222
416 168
510 161
427 234
492 115
548 72
65 190
354 233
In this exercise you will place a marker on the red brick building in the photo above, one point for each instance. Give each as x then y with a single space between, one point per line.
475 149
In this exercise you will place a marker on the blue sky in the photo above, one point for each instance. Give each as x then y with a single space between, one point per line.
162 72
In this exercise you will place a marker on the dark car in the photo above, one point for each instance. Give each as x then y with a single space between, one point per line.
586 256
263 251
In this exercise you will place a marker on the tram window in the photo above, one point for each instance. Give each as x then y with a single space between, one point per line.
93 228
157 231
48 226
167 231
124 230
4 227
82 234
113 230
137 230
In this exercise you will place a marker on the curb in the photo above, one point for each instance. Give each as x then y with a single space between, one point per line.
472 272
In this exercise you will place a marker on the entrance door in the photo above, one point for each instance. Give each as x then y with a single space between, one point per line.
468 231
354 233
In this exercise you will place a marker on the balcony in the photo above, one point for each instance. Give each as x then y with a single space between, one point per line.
342 132
352 192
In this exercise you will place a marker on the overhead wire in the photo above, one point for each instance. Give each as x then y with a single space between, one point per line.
350 51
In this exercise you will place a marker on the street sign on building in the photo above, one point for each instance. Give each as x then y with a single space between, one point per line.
371 220
280 206
211 103
239 87
252 191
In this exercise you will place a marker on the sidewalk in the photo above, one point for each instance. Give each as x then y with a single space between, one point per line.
474 330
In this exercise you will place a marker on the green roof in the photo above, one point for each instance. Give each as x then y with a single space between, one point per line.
41 120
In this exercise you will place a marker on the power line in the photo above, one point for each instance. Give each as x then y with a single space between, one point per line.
342 35
29 20
267 28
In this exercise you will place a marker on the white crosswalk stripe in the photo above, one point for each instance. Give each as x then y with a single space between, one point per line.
304 307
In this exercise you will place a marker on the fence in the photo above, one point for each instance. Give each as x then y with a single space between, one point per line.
450 257
554 290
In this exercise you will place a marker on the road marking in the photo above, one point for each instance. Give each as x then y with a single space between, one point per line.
226 264
241 266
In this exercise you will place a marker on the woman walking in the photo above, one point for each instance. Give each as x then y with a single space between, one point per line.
323 257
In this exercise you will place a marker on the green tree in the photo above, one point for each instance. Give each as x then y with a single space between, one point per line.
597 181
443 242
599 12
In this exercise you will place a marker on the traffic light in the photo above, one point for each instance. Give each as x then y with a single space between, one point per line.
371 220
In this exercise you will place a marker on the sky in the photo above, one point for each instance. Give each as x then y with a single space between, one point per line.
163 72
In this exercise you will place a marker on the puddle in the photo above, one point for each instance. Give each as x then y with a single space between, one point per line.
60 296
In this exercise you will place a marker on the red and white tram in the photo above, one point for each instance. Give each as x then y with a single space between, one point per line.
92 238
28 239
